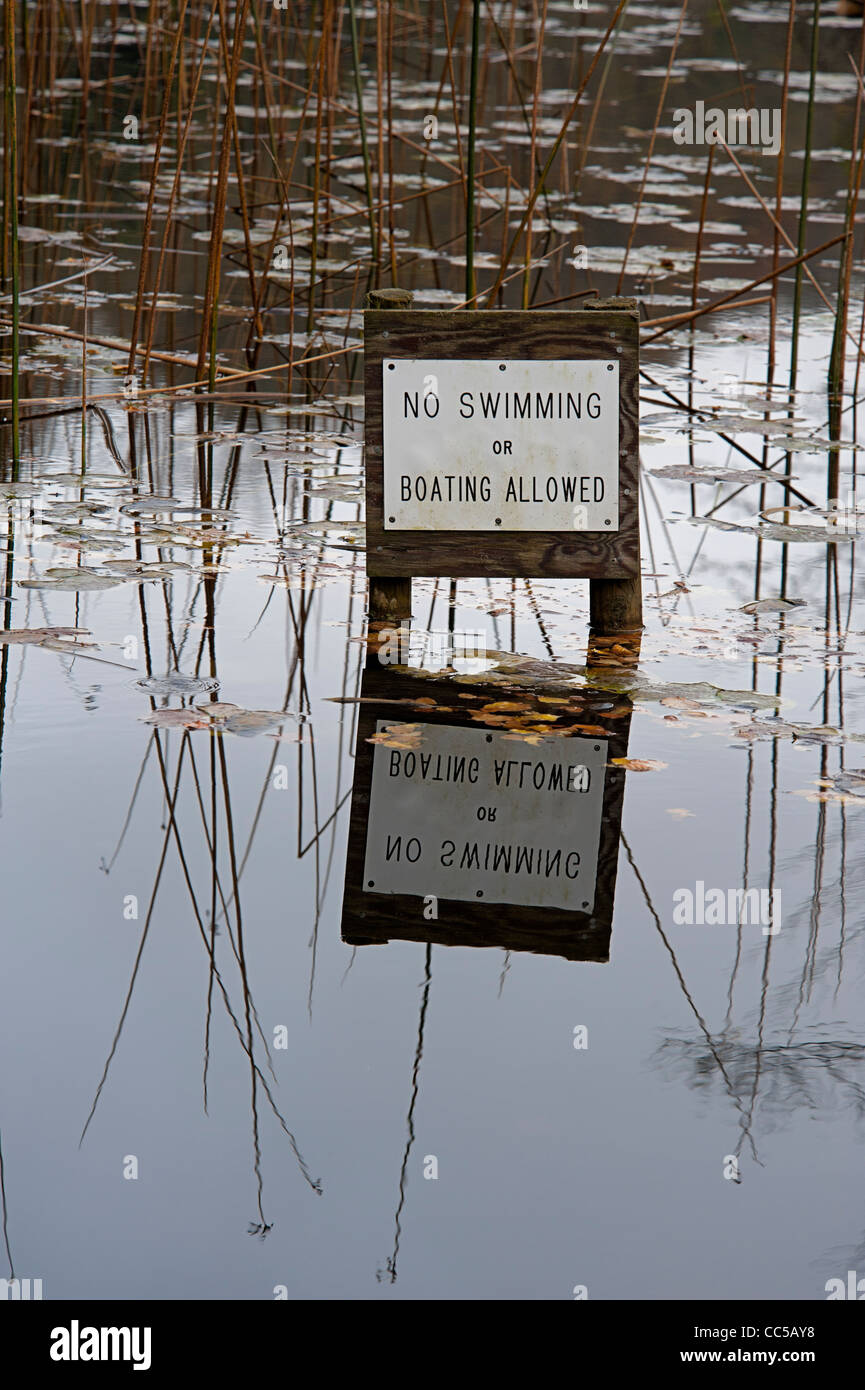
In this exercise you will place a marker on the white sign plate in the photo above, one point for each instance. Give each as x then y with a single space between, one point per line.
500 445
477 817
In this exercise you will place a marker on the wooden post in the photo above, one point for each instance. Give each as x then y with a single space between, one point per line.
389 600
615 605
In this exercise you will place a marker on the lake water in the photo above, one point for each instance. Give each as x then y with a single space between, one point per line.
447 1108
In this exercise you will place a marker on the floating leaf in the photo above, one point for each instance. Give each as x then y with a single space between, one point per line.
530 737
507 707
399 736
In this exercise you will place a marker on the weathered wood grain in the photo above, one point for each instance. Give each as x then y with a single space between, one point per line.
616 605
389 600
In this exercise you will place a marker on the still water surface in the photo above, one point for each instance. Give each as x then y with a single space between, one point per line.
127 847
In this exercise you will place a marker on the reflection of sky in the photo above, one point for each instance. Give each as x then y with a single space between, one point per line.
523 1125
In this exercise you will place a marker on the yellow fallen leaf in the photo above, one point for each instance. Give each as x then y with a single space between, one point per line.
507 707
399 736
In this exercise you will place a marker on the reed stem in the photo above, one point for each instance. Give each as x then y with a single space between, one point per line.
803 204
473 133
361 119
11 197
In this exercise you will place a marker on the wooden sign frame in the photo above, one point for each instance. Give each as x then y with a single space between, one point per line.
537 335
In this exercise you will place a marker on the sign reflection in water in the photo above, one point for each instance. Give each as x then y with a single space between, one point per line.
466 834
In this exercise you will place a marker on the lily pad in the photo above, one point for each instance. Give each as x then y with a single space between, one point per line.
149 569
851 781
36 635
175 719
71 580
77 509
823 535
248 722
218 709
175 683
772 605
70 539
20 489
141 506
682 472
99 481
641 688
